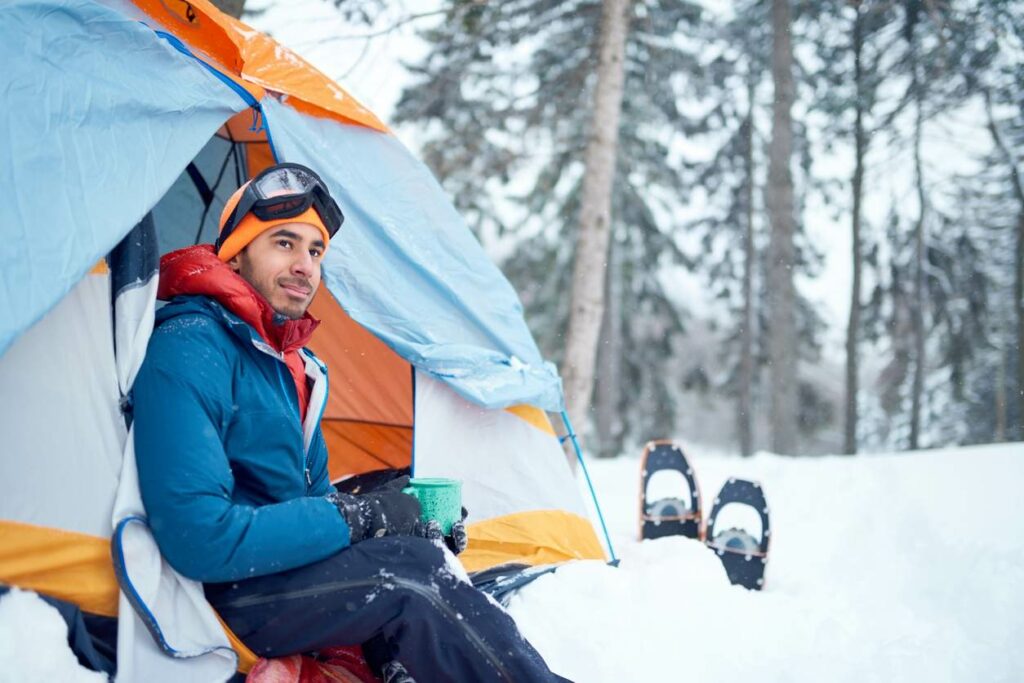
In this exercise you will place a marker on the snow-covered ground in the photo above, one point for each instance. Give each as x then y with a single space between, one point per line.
33 644
906 567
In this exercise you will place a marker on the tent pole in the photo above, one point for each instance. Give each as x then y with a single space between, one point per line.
590 485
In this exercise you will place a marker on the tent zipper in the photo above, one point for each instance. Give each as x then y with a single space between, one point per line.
244 94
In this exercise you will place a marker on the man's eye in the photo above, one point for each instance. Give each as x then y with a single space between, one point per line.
284 243
315 253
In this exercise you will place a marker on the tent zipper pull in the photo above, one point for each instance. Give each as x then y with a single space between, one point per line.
309 479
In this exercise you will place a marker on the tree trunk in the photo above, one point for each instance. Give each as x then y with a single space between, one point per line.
917 395
1000 399
1018 294
744 413
853 327
587 296
1017 183
608 425
230 7
782 342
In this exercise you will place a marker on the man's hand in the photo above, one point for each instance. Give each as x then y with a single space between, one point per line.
386 512
456 541
395 479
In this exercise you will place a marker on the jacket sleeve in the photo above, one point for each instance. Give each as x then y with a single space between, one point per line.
182 408
321 485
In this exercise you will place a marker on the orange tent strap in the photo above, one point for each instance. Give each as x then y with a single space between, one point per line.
536 537
246 658
66 565
73 567
533 416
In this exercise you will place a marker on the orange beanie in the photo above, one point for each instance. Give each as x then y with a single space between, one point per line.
251 227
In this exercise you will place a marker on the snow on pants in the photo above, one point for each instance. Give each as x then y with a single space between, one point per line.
397 588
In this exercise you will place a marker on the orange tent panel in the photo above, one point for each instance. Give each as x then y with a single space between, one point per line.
358 447
239 128
369 382
368 419
256 61
258 156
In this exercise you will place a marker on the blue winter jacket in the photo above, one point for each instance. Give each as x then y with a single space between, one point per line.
230 487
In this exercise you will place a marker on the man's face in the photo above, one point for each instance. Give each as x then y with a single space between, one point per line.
283 264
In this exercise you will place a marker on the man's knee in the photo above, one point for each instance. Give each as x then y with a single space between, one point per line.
410 556
422 551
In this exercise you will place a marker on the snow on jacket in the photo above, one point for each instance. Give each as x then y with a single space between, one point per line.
232 484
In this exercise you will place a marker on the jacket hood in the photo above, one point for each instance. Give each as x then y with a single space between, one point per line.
196 270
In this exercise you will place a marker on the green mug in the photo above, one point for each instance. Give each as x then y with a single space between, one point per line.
440 499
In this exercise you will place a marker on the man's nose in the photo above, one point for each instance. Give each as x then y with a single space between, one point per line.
303 263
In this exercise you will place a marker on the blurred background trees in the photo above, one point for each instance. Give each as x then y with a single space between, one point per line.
815 235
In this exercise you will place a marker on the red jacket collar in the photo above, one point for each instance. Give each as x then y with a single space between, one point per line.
197 270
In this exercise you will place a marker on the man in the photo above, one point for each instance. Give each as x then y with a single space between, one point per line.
233 466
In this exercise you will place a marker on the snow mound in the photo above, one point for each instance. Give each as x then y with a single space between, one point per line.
34 644
903 567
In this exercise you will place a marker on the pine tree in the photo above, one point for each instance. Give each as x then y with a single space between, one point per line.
731 181
854 45
991 210
734 85
920 287
505 94
1003 90
782 337
586 298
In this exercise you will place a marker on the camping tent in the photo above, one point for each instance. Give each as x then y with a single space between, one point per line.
126 125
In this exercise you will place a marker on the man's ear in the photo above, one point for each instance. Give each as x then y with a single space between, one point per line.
235 262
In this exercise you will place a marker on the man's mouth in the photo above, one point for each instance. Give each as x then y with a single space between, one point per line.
296 289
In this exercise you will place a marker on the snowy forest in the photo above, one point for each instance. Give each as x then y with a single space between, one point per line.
754 237
794 226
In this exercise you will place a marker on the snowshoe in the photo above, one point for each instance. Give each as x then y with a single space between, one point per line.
743 554
668 516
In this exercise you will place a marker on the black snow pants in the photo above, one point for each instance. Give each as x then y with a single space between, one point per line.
394 590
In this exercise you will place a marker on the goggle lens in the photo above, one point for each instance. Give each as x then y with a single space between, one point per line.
290 206
297 187
287 180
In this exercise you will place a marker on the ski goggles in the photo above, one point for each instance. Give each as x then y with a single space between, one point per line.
284 191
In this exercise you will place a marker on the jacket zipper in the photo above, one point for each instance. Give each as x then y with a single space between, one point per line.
265 348
320 417
284 388
305 454
434 599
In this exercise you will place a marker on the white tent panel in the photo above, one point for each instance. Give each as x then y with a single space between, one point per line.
506 465
61 423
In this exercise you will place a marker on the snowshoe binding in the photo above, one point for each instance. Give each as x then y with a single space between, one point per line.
668 516
743 554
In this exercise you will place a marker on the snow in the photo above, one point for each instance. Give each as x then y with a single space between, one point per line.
33 644
899 567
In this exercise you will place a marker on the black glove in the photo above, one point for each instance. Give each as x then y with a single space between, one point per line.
372 481
386 512
456 541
